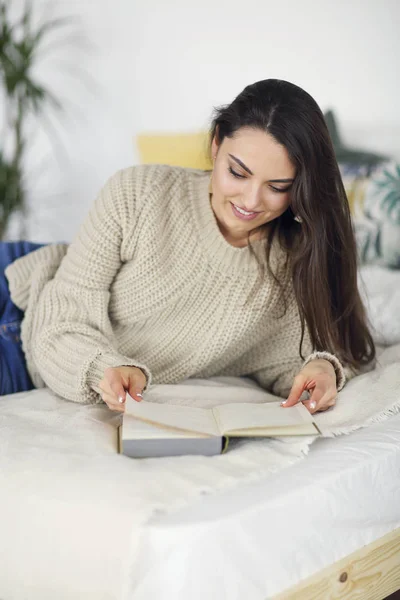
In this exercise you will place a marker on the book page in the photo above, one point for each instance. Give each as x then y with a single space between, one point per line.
243 415
287 430
186 418
136 429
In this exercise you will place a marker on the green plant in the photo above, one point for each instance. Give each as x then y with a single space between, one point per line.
24 96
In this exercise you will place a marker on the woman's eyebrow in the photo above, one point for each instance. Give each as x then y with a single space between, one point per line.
239 162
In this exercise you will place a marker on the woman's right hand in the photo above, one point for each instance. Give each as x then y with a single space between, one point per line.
119 380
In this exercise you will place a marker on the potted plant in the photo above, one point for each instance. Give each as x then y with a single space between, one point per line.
23 96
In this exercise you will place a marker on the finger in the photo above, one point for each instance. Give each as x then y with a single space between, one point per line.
136 385
136 391
316 395
319 402
311 406
112 404
105 388
320 408
117 389
326 407
296 391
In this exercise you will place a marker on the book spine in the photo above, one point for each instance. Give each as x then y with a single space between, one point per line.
119 441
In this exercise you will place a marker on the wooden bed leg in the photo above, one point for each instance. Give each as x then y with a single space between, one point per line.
370 573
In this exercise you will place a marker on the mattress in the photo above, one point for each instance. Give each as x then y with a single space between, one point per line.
267 536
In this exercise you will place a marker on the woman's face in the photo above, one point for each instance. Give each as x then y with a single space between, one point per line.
253 172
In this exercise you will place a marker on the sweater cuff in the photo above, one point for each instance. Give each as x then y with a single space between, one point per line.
335 362
103 361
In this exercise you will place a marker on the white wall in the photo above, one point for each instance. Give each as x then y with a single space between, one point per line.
159 65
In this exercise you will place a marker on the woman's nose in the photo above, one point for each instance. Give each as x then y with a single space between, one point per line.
252 198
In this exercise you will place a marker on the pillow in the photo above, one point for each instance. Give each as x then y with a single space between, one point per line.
380 290
179 149
372 184
377 221
355 180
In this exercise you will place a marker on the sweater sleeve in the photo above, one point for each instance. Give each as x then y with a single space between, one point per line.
283 358
73 340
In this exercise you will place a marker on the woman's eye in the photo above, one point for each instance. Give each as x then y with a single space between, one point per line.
279 190
235 174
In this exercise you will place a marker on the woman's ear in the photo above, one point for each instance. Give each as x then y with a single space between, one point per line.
214 149
215 144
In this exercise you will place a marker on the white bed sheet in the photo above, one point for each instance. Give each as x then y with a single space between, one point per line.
264 538
69 507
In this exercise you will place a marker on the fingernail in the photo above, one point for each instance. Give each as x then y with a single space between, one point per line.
284 402
121 399
140 395
313 404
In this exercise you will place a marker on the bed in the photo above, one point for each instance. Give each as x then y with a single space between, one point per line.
327 526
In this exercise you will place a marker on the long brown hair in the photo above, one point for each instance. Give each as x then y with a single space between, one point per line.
321 250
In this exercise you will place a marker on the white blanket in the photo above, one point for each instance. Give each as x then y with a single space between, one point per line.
71 508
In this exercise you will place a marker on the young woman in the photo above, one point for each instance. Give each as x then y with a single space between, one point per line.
177 273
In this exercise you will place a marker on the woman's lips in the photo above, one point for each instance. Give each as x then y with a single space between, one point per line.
239 215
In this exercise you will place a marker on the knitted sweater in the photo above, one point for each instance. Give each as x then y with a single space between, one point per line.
150 281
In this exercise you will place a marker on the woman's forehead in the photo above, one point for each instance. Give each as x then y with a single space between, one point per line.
260 153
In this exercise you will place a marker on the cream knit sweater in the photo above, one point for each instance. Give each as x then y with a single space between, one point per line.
150 281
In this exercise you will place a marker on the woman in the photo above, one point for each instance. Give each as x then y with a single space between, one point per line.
155 286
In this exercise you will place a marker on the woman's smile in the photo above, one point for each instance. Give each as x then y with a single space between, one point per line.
242 214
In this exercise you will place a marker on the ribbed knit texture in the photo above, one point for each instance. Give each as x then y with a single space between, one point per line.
150 281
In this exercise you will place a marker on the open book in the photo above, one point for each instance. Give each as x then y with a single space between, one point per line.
147 426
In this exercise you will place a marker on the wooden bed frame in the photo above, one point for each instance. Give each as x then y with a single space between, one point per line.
370 573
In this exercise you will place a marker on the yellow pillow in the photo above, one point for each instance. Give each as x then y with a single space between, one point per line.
179 149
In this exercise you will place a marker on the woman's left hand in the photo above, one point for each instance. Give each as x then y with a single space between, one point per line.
318 378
